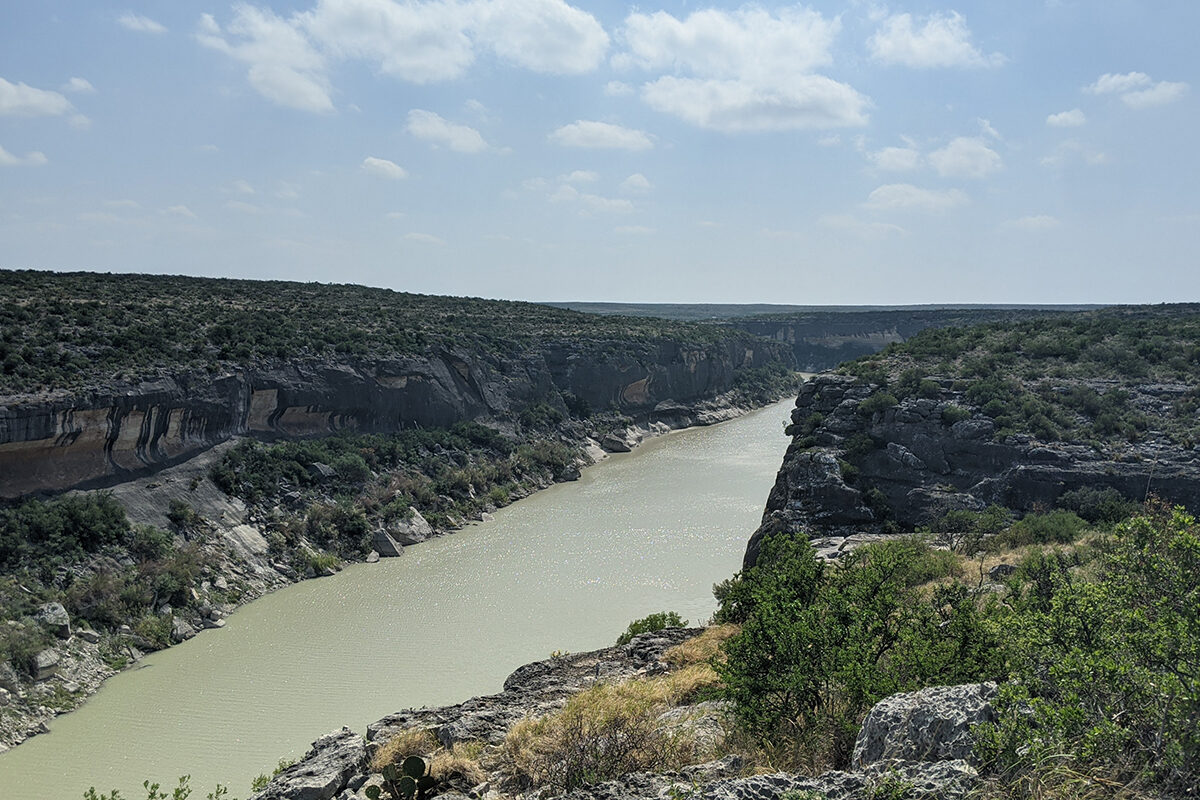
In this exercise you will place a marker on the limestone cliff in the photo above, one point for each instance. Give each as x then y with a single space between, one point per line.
858 465
108 433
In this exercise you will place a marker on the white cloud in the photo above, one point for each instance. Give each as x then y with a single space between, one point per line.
425 238
431 127
591 134
1037 222
140 24
1072 150
1160 94
580 176
637 183
895 159
180 211
634 230
287 191
417 42
904 196
744 70
284 66
31 159
78 85
79 121
1067 119
617 89
1137 89
541 35
590 203
384 168
243 207
1110 83
750 43
396 215
22 100
965 158
860 228
241 186
735 106
943 41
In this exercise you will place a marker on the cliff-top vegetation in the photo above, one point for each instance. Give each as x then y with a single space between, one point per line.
1069 377
77 329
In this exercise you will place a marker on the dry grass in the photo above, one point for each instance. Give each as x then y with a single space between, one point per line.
700 649
410 742
605 731
459 765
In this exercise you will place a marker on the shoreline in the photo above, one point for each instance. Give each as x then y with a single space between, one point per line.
236 538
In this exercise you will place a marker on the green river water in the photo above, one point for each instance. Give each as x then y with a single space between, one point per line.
565 569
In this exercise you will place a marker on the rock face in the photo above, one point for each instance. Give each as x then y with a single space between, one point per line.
110 433
932 724
910 464
324 771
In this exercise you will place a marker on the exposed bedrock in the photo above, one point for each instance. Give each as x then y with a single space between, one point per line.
849 472
110 433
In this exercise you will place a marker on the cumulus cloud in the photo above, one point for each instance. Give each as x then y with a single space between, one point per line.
895 159
180 211
580 176
384 168
862 229
79 86
965 158
1067 119
140 24
541 35
22 100
1036 222
589 204
736 106
637 183
634 230
1159 94
284 66
906 197
601 135
419 41
745 70
30 159
1074 150
944 40
433 128
1110 83
617 89
1137 89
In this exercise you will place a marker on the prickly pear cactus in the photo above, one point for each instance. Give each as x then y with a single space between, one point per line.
409 781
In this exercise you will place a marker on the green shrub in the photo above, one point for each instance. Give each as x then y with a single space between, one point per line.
653 622
952 414
877 403
1055 527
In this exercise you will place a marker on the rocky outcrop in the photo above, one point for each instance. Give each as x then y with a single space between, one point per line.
912 743
107 434
932 724
854 469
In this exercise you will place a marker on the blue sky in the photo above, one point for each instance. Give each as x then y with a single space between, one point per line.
852 152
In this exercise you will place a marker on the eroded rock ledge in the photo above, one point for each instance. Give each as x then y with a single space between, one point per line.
853 471
913 739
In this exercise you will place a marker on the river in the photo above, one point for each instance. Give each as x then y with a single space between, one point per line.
564 569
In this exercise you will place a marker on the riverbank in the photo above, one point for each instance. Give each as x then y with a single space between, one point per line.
236 539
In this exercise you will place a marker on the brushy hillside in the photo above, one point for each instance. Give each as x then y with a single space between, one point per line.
75 329
1069 377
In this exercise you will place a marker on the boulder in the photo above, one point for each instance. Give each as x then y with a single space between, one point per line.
414 528
932 724
56 619
181 630
45 665
89 636
324 771
385 545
